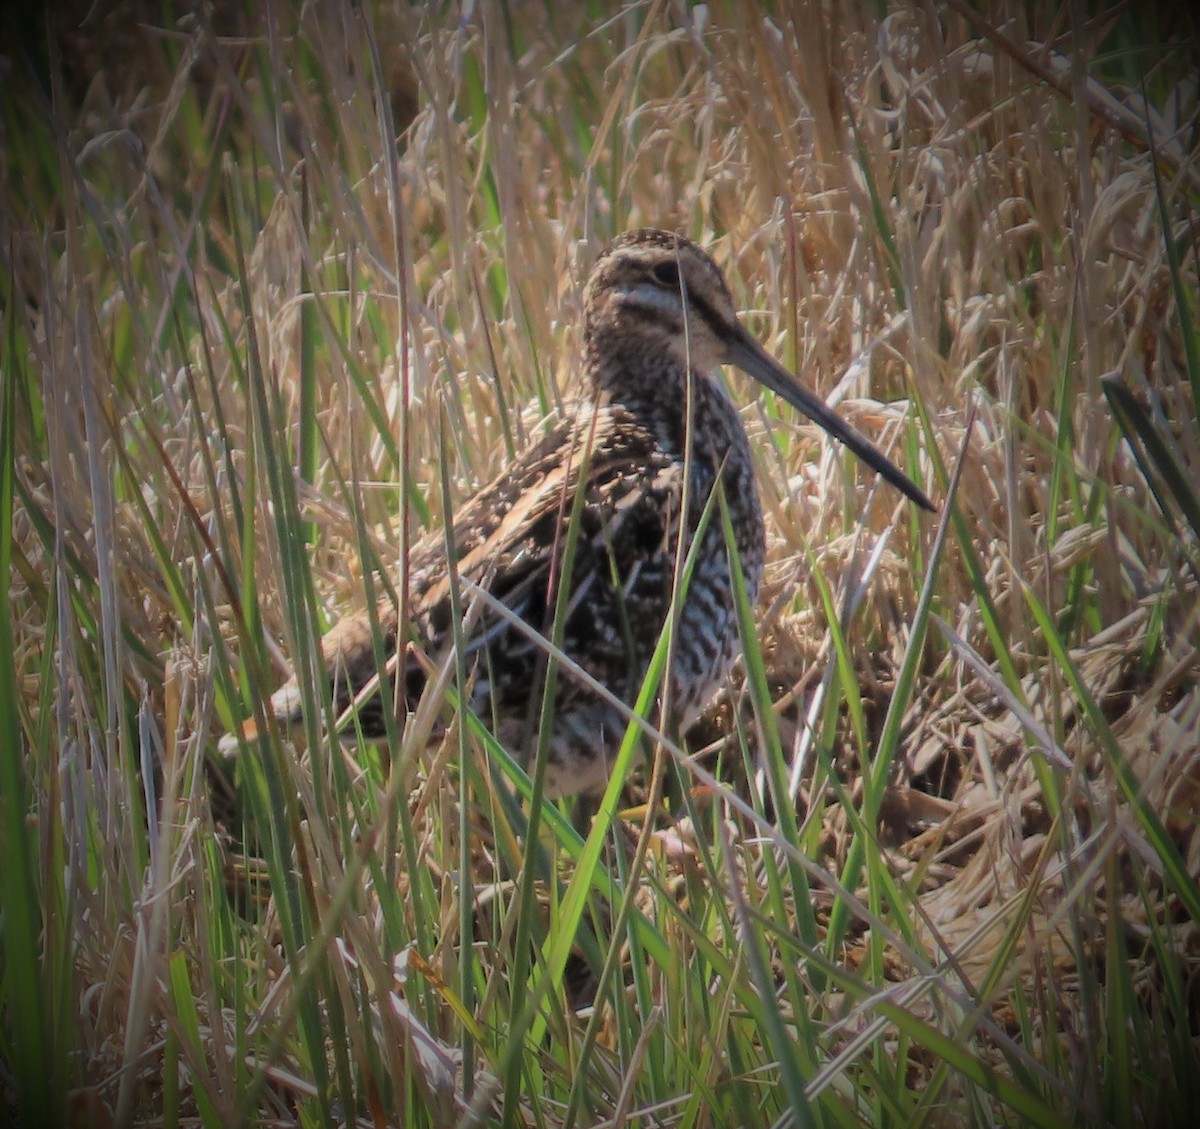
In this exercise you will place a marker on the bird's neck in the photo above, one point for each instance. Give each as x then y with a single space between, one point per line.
654 387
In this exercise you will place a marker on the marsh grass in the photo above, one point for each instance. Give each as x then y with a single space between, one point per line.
279 293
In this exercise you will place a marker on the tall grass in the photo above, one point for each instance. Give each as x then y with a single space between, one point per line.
280 293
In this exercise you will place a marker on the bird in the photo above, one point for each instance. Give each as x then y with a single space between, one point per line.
625 477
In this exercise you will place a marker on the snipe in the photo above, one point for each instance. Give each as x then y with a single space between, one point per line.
658 320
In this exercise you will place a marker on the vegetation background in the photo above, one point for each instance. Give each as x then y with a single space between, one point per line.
280 282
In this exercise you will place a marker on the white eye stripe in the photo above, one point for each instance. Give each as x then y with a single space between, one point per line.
653 297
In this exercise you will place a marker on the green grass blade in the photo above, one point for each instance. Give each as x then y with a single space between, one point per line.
1154 456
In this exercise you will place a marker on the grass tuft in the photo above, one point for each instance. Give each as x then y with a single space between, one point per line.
283 287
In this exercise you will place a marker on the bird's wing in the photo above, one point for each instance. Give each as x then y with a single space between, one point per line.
511 539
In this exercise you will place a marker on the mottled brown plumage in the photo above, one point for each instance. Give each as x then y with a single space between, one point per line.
658 320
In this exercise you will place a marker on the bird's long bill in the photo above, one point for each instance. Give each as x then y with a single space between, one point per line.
752 359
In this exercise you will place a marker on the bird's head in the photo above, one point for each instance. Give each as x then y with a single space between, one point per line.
656 294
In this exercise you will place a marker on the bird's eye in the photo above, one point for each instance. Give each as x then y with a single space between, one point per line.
667 272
